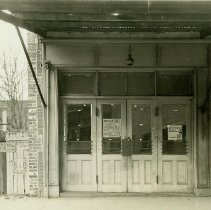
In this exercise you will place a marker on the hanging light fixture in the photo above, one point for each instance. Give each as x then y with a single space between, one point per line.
130 60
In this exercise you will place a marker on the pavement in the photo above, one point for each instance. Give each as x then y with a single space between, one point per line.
106 203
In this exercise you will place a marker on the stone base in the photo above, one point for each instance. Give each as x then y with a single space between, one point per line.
53 191
202 192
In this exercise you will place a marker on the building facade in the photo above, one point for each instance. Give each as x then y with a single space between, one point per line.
128 99
118 128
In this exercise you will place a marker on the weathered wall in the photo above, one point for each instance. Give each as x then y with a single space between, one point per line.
35 119
17 163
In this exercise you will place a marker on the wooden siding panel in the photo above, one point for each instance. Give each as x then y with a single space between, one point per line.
183 55
72 56
117 55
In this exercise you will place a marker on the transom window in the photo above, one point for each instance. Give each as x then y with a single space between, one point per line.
161 83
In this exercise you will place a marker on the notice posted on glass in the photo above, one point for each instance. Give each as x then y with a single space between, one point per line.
111 128
174 132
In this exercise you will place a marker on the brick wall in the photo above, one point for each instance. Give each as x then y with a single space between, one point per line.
35 119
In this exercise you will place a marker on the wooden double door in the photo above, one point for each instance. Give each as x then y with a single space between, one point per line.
126 146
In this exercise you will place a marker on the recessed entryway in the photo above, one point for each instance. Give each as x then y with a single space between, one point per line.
126 145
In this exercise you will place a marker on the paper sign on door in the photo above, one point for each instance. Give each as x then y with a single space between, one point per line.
174 132
111 128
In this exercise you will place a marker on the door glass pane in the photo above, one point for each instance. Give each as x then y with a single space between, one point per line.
141 129
78 129
111 132
174 129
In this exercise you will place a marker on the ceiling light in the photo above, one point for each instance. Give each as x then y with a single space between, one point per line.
115 14
6 11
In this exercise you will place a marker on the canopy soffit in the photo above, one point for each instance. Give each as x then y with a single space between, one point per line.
45 17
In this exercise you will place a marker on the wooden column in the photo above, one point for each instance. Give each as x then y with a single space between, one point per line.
202 139
209 112
53 146
203 132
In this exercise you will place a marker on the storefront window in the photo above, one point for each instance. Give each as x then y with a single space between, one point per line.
78 129
174 129
174 84
77 84
127 84
111 132
141 129
141 84
112 85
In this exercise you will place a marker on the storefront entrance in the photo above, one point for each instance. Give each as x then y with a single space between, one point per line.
126 145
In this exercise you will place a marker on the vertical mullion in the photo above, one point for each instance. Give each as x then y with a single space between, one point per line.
126 84
155 80
96 88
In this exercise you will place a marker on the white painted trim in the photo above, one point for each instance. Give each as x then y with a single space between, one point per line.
123 41
135 69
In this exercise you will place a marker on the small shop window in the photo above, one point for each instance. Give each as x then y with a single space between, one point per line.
112 84
174 84
77 84
141 129
78 129
141 84
111 123
174 130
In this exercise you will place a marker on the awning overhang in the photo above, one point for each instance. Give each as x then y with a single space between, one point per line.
46 17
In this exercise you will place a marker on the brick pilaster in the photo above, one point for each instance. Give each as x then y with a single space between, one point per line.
35 119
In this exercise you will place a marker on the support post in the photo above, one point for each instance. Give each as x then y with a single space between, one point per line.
31 67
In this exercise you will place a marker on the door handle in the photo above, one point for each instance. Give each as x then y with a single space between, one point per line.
126 147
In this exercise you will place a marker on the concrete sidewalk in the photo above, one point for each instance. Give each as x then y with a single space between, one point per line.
107 203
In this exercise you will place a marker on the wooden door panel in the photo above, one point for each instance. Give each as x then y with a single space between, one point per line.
174 154
182 172
140 174
112 166
111 172
112 177
142 164
175 171
79 174
79 146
